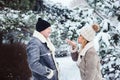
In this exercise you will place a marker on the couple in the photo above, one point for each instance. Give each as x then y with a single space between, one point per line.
40 53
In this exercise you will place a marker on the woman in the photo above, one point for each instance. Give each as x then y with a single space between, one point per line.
87 59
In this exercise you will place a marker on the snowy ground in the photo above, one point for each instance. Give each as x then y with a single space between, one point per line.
68 69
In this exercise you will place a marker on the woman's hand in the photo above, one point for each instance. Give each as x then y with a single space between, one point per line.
72 43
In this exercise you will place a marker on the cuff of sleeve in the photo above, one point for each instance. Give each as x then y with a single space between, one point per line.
50 75
74 50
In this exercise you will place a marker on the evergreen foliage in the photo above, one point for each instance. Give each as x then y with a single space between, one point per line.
66 24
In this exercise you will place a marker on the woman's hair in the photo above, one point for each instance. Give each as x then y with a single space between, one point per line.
85 42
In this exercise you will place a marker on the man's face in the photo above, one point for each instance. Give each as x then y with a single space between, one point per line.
46 32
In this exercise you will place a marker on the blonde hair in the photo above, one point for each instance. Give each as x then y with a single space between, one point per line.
84 42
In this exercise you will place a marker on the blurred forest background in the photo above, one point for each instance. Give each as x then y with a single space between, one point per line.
17 23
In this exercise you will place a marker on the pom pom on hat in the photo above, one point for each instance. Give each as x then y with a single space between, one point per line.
89 32
42 25
95 27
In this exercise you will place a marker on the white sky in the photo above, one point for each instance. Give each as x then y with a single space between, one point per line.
71 3
63 2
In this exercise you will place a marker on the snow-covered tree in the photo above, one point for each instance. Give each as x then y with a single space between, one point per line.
66 23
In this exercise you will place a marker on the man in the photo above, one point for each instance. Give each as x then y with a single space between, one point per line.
40 53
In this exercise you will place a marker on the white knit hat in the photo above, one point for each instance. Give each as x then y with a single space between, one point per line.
89 32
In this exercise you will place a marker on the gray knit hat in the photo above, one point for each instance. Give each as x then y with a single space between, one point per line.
89 32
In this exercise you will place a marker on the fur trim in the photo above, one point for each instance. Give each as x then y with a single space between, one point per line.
84 50
44 40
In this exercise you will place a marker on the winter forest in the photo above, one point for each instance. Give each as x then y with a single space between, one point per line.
17 23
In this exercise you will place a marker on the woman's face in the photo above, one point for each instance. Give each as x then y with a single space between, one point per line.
46 32
80 39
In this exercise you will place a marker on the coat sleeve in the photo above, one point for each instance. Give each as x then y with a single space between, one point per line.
33 55
74 56
90 65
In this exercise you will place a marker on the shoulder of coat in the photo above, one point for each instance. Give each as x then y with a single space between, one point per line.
91 52
36 41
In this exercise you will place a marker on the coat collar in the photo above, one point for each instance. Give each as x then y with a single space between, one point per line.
39 36
44 40
83 51
88 46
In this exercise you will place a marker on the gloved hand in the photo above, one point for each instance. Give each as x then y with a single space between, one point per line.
51 73
71 43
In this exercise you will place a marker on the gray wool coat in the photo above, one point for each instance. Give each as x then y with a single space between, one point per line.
89 66
40 60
